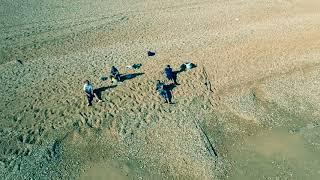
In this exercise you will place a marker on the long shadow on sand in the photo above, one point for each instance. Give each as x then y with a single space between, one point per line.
130 76
169 87
99 91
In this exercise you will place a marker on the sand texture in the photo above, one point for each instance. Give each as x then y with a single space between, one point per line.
249 110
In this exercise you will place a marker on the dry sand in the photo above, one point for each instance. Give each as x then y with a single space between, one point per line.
255 86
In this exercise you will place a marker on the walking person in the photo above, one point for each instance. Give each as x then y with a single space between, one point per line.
171 75
90 92
164 92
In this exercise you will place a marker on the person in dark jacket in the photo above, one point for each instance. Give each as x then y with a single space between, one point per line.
172 76
115 74
164 92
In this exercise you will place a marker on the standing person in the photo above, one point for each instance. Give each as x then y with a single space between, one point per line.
164 92
172 76
115 74
90 93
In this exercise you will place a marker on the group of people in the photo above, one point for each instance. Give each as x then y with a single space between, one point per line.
162 88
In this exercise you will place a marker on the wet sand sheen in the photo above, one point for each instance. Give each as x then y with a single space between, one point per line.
103 172
276 153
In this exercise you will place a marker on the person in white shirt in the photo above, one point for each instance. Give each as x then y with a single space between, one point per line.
90 92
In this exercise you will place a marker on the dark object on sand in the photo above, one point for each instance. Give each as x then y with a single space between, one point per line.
103 78
164 91
183 67
19 61
135 66
150 53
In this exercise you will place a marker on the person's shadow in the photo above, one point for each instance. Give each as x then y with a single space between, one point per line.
169 87
99 91
124 77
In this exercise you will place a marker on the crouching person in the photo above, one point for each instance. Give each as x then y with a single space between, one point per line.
115 74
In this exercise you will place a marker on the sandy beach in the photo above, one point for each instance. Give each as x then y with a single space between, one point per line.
250 109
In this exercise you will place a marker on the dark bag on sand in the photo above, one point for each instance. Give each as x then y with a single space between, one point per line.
183 67
150 53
